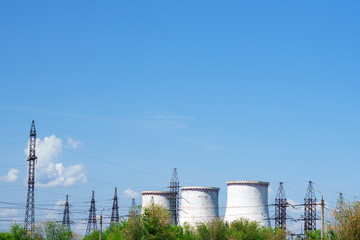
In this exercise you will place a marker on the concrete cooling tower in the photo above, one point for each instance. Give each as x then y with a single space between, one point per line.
247 199
161 198
198 205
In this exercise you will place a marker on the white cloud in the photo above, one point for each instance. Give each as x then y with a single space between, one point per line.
11 176
129 193
79 227
71 143
57 209
50 172
8 212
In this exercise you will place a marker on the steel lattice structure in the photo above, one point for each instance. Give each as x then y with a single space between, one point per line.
66 217
310 209
91 226
115 209
133 208
280 208
175 197
30 201
340 201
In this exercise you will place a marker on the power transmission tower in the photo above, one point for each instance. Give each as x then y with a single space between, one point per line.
30 201
340 202
133 208
115 209
66 218
91 226
310 209
174 200
280 208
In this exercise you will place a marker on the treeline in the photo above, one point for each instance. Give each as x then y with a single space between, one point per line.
155 224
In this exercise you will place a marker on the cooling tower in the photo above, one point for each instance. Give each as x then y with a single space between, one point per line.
161 198
198 205
247 199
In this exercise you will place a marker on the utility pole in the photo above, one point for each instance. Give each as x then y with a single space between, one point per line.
115 209
174 199
30 201
101 223
91 226
66 218
322 217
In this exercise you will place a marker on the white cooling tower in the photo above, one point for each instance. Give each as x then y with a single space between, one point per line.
247 199
198 205
161 198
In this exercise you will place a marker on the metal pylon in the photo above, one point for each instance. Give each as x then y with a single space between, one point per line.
174 200
91 226
280 208
30 201
66 217
133 208
310 209
115 209
340 202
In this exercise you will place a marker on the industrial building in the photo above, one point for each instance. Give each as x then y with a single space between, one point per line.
247 199
161 198
198 205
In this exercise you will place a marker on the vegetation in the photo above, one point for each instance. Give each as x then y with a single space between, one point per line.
50 231
155 224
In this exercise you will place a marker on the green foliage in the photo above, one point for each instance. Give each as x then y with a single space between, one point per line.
49 231
241 229
95 235
345 222
214 230
56 231
155 224
17 232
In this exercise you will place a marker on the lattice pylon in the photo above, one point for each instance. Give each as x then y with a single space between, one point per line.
30 201
340 201
66 217
115 209
280 208
91 226
133 211
175 197
310 209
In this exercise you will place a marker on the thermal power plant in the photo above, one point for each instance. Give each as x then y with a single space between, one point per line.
247 199
198 205
161 198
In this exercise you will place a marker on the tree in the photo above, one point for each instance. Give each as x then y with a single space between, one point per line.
345 221
156 223
17 232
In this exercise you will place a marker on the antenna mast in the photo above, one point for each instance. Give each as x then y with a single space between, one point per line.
115 209
91 226
30 201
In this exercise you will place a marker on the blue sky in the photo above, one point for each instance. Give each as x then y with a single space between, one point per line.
220 90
